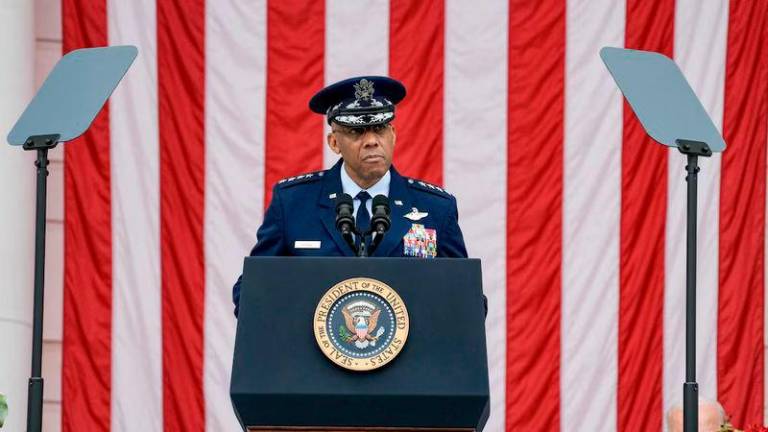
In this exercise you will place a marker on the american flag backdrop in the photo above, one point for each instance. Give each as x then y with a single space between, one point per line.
578 217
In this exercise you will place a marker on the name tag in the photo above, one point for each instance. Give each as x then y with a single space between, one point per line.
306 244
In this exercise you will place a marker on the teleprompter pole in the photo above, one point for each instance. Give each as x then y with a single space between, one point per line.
41 144
671 114
81 81
692 149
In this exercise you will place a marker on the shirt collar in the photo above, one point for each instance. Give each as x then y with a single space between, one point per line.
349 186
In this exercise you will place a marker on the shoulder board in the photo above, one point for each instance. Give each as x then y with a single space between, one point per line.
428 187
300 179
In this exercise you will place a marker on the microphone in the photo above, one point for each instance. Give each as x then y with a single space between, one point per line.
380 221
345 222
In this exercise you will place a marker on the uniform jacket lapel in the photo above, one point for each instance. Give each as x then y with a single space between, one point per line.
398 191
327 206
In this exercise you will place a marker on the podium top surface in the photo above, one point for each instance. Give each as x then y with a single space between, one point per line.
661 97
73 93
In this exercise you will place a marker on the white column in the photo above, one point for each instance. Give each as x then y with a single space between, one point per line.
17 204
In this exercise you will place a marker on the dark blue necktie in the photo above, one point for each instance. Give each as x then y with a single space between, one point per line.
363 218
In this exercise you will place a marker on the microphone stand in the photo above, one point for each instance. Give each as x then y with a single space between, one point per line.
347 236
362 251
380 222
345 222
375 241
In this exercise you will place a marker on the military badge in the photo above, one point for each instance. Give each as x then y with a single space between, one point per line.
415 215
420 242
361 324
364 90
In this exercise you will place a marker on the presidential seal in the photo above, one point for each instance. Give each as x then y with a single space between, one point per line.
361 324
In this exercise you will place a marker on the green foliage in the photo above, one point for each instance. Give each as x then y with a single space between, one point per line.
3 409
344 333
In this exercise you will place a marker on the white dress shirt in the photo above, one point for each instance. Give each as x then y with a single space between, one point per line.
348 186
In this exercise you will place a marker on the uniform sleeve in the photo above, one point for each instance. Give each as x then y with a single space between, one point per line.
453 242
270 239
451 245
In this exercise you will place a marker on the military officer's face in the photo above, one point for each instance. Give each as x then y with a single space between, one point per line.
367 151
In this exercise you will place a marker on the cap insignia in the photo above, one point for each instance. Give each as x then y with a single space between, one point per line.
364 90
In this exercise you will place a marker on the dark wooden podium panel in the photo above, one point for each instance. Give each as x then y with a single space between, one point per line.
281 380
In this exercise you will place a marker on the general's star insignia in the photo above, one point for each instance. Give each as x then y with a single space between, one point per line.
415 214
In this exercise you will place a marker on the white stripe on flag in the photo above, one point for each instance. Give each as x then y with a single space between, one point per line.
356 43
137 388
700 40
591 219
475 159
234 180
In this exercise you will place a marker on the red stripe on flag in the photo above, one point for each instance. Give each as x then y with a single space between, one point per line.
87 327
181 78
649 26
416 57
295 57
740 357
534 213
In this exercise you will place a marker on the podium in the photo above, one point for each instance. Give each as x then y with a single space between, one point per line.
436 380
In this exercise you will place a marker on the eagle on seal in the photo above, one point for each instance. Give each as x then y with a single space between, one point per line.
361 328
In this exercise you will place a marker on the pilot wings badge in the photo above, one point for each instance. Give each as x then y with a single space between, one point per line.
415 214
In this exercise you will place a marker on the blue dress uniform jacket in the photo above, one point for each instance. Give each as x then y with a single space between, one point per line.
303 209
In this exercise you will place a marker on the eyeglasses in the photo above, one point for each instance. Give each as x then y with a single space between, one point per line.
359 131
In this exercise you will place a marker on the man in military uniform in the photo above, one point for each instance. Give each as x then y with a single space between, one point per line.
301 219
